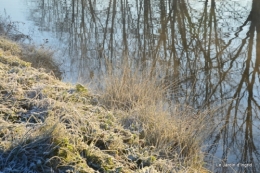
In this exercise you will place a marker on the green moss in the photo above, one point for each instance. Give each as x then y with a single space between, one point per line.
70 154
61 141
62 153
109 122
81 89
99 160
153 159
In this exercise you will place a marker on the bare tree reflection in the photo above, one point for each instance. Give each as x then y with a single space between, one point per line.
237 131
211 48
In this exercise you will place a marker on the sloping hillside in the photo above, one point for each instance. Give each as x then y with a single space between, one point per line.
47 125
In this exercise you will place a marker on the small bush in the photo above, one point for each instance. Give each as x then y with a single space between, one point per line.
38 57
41 58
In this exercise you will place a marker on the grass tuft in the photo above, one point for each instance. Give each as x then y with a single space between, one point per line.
36 57
174 132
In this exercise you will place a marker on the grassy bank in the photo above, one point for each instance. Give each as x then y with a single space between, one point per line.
47 125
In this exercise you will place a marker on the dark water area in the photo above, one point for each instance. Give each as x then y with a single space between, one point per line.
211 47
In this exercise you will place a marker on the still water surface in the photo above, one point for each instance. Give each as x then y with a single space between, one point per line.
211 47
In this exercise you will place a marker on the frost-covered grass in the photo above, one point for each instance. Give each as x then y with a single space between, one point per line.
170 132
47 125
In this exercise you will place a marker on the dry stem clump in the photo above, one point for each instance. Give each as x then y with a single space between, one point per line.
166 131
38 57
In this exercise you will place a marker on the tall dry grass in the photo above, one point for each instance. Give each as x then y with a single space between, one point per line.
127 89
176 132
38 57
41 58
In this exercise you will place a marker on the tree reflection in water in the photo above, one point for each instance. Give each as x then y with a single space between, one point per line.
211 48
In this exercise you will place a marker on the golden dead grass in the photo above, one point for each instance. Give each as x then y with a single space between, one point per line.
174 132
38 57
129 89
